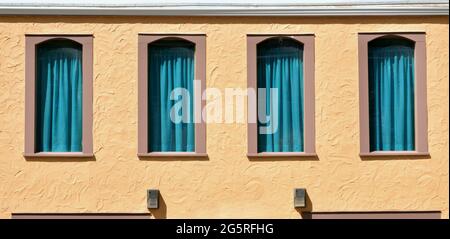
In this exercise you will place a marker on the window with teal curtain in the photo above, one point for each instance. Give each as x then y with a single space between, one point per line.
391 94
59 96
280 66
170 66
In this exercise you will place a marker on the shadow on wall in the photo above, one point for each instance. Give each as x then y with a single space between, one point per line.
59 159
282 158
173 158
305 213
161 211
397 157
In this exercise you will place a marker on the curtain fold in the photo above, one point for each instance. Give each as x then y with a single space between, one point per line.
59 96
171 66
391 95
280 66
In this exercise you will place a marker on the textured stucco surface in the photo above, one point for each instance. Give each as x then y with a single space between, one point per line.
228 184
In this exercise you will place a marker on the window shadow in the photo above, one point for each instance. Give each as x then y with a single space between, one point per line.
59 159
173 158
283 158
394 157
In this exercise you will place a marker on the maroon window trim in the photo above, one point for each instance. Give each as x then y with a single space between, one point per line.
375 215
309 125
31 41
200 74
80 216
420 103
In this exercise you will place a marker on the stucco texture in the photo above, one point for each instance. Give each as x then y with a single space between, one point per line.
228 184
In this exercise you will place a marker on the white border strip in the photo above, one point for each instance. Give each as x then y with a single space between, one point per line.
350 10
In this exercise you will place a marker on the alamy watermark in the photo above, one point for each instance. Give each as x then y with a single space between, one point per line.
228 107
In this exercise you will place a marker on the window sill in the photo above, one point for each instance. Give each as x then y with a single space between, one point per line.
173 155
59 155
282 155
394 153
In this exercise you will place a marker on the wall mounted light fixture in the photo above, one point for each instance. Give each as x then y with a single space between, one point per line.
152 198
299 198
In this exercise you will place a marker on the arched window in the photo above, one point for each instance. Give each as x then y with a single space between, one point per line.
171 71
58 102
280 75
59 96
391 94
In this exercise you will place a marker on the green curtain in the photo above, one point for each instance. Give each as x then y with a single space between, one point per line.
391 95
59 96
280 66
171 66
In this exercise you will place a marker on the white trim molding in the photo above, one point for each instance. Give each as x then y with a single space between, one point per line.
225 7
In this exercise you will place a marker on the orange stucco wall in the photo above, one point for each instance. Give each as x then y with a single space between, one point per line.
228 184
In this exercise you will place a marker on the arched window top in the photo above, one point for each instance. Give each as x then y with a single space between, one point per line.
60 43
280 41
279 46
392 41
391 46
55 46
172 41
173 44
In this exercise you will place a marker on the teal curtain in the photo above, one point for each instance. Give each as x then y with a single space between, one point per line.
171 66
391 95
280 66
59 96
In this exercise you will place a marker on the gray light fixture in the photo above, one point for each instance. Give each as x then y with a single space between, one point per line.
299 198
152 198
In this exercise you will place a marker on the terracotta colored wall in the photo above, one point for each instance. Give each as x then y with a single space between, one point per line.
228 184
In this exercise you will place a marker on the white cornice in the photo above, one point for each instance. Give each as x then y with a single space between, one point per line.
229 10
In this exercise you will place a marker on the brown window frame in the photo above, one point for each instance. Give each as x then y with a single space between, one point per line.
309 105
80 216
31 42
420 94
375 215
144 39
